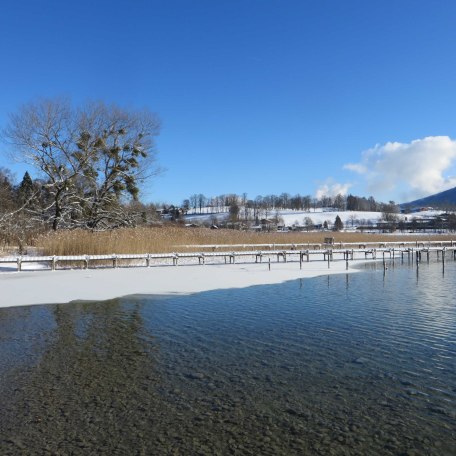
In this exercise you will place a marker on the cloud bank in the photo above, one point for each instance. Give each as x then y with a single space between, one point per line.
408 170
331 188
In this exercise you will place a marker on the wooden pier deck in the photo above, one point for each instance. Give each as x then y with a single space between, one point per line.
291 252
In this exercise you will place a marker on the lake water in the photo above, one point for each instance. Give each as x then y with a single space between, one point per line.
341 365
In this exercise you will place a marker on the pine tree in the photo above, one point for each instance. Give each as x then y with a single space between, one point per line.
26 189
338 224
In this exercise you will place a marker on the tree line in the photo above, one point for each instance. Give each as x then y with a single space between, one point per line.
284 201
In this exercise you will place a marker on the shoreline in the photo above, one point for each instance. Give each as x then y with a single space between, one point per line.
63 286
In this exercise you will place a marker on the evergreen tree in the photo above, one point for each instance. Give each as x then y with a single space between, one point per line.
26 189
7 200
338 224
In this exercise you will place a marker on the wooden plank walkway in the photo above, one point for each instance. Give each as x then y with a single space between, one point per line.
364 251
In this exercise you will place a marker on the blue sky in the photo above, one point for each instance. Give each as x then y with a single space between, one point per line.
255 96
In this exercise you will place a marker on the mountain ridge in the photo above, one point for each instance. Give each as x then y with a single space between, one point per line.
444 199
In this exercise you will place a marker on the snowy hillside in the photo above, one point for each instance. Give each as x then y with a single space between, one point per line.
350 219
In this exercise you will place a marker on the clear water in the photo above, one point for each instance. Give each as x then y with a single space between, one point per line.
341 365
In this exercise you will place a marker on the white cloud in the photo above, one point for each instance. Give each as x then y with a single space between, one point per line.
411 170
331 188
356 167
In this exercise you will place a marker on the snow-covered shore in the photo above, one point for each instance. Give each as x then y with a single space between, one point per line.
46 287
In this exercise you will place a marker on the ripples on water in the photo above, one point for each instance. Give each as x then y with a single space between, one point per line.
357 364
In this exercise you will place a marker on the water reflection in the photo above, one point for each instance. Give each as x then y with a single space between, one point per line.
90 385
349 364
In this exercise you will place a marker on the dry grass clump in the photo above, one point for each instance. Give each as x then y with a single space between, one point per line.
173 239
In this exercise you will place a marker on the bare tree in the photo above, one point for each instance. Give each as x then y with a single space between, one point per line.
390 212
353 219
308 222
234 211
185 205
284 200
194 201
44 135
201 202
120 147
244 206
91 158
339 202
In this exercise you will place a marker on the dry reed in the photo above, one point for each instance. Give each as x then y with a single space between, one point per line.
173 238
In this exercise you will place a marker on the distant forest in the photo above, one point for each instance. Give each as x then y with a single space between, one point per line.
285 201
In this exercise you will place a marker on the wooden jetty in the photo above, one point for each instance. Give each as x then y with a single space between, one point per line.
291 252
318 246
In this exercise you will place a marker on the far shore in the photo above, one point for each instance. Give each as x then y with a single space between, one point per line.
62 286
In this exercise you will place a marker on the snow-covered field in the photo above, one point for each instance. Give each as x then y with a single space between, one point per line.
349 218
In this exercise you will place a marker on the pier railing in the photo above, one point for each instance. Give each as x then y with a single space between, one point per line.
316 246
371 250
